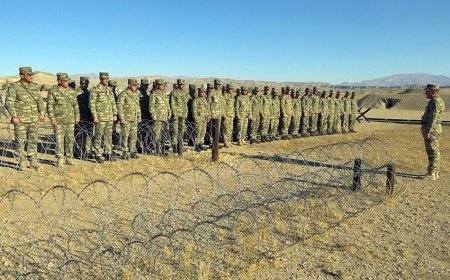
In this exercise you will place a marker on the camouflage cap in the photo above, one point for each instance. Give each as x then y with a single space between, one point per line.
256 88
266 88
191 86
217 82
332 91
145 82
208 85
159 82
346 92
201 89
275 93
314 88
230 86
133 82
353 93
62 76
112 83
307 89
26 70
244 88
181 82
104 75
432 87
84 80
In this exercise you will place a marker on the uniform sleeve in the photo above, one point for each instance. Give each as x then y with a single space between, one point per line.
50 105
75 107
194 108
151 105
93 103
168 107
172 102
40 103
138 108
113 105
120 102
10 102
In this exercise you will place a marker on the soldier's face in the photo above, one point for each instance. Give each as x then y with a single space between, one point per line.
201 93
216 87
26 77
266 92
104 82
245 92
161 87
63 84
144 87
132 87
181 87
429 94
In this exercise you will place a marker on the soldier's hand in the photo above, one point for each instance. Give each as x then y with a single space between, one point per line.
54 123
96 120
114 118
15 121
77 120
426 135
139 120
41 118
123 122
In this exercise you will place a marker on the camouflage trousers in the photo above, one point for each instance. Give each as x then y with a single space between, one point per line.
200 130
313 122
345 123
265 124
330 123
295 125
158 128
227 129
305 124
254 127
274 123
129 136
351 122
83 138
64 140
102 131
323 121
337 126
178 129
433 153
26 132
285 124
242 125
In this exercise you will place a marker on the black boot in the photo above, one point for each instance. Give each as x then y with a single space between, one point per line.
175 148
197 148
134 156
98 159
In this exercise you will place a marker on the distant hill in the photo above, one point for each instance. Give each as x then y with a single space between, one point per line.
416 79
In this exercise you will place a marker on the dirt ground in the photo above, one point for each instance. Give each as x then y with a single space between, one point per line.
406 237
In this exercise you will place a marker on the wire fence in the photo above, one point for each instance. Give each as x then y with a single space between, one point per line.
206 222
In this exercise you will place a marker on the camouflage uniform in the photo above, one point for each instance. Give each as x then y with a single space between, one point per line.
296 114
129 114
306 109
160 111
216 103
179 106
24 101
331 114
286 113
266 114
84 129
338 111
353 113
62 108
347 110
201 115
243 112
323 114
314 113
275 114
116 127
228 115
103 107
255 113
431 124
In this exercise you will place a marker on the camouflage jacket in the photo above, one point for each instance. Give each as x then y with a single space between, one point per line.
144 103
296 106
306 104
228 105
159 106
200 109
243 106
83 106
128 108
62 105
323 105
178 103
354 106
275 108
286 105
432 117
102 104
216 103
24 102
256 106
347 105
331 104
338 106
315 104
266 106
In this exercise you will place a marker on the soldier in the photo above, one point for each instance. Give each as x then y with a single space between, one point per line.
201 116
353 113
160 112
255 115
216 103
228 115
24 104
179 99
84 129
314 113
306 110
115 90
72 84
275 114
145 124
266 114
346 113
296 114
104 113
286 113
331 113
323 113
432 129
338 113
190 130
243 112
62 109
129 114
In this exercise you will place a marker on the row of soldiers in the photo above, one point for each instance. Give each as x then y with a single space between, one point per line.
265 116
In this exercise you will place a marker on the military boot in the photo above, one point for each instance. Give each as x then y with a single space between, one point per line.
110 157
240 142
126 155
430 176
197 148
21 165
436 174
60 162
98 159
134 155
175 148
34 164
69 161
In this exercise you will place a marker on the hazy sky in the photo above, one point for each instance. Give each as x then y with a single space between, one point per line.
328 41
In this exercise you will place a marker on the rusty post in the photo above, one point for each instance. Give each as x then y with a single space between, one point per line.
357 174
390 181
216 135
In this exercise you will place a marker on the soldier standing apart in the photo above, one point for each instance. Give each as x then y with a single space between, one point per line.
24 104
314 111
104 112
347 110
275 114
62 108
129 114
228 115
306 110
179 99
353 112
201 116
286 113
323 113
255 115
338 113
160 112
432 129
144 125
266 104
331 114
216 103
296 114
243 112
84 129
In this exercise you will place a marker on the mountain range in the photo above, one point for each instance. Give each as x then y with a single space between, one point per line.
414 79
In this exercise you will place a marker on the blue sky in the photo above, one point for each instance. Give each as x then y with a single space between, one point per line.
327 41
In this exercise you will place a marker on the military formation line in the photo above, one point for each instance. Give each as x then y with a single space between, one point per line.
260 116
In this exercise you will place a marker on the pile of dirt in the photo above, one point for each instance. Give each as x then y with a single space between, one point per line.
372 101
